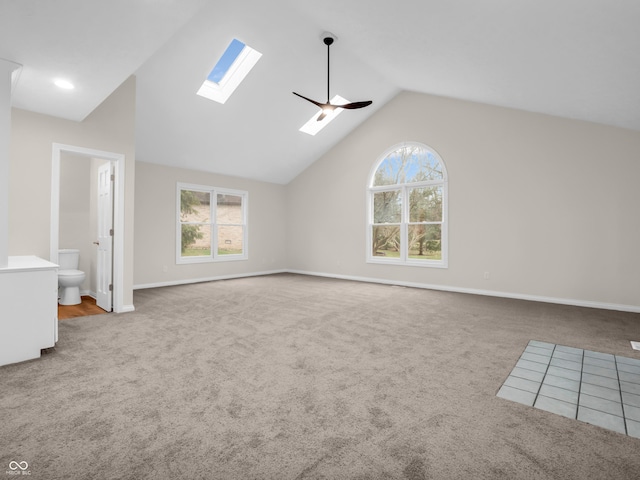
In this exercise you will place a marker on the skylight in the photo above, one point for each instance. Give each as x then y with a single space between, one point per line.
313 126
230 70
64 84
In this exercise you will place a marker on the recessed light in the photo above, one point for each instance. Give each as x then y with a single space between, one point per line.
64 84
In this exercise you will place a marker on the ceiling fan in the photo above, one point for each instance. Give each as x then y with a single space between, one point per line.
328 107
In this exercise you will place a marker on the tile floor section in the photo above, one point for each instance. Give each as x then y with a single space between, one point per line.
593 387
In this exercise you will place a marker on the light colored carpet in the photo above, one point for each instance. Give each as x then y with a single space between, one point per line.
295 377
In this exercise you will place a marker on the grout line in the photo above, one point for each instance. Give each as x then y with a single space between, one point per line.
525 368
580 383
544 376
580 389
624 416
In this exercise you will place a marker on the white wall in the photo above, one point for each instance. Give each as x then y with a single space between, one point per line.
75 211
110 128
547 206
155 226
6 70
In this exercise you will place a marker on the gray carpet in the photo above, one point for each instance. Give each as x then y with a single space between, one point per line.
294 377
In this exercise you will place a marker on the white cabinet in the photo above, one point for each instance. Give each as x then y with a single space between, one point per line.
28 308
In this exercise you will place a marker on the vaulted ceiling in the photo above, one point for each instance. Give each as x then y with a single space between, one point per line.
571 58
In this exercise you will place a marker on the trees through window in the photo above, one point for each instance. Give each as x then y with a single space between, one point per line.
211 224
408 207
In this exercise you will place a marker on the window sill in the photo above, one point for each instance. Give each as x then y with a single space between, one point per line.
409 263
226 258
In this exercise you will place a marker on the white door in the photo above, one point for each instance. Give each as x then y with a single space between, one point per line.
104 269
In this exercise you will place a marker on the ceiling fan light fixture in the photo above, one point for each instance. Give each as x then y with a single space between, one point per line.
321 119
328 108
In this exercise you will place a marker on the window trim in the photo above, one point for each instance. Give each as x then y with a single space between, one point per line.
404 188
214 256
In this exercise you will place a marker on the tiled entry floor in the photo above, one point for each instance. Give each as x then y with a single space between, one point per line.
596 388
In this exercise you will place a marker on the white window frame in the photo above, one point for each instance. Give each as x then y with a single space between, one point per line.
404 189
214 256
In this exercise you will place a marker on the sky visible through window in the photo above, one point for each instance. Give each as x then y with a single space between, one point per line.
230 70
227 59
407 165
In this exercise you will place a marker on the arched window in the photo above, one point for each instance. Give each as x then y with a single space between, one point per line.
407 207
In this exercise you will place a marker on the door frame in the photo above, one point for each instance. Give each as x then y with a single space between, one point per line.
118 161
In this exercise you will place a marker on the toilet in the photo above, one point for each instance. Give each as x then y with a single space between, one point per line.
69 277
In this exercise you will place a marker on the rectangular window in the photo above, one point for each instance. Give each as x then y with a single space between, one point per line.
406 224
387 218
425 223
230 222
211 224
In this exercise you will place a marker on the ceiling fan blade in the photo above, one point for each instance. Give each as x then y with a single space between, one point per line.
328 107
354 105
309 100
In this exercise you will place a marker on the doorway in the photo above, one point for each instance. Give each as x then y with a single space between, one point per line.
113 269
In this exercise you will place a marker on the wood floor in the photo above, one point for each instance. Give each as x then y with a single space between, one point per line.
87 307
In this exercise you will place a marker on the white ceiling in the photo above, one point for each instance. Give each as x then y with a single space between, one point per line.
571 58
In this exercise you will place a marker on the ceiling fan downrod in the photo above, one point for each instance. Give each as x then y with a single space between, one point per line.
328 41
328 107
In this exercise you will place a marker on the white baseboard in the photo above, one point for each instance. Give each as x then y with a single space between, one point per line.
126 309
206 279
123 309
445 288
474 291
